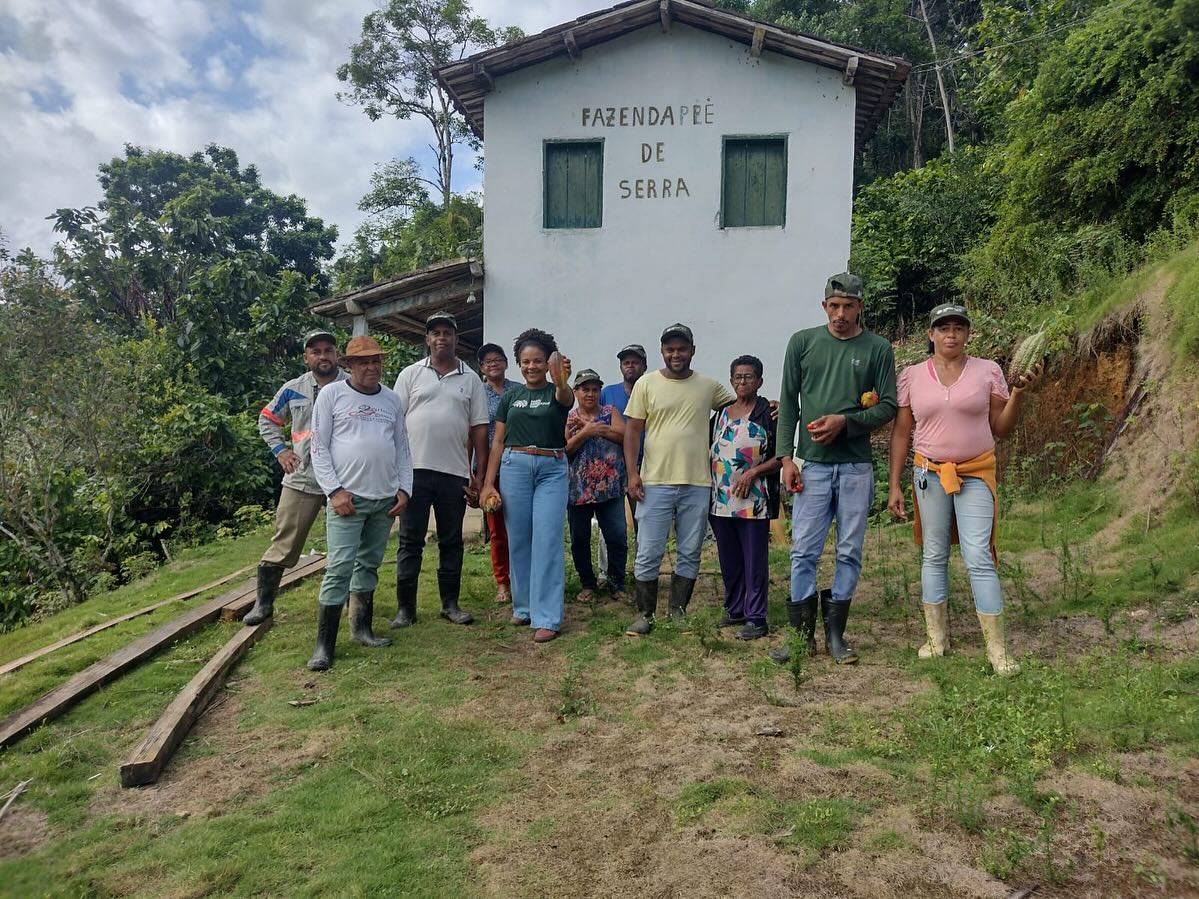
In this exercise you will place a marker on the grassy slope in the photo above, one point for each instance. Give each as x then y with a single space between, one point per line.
418 765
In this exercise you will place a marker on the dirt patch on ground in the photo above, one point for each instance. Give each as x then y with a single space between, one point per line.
24 829
207 782
595 810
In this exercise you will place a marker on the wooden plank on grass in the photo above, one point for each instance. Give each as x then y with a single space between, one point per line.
90 679
237 607
146 610
146 763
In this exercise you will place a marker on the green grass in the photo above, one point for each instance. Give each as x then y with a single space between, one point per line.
389 798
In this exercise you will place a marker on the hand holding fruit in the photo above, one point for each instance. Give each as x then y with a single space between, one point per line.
1029 378
825 429
559 369
489 500
869 398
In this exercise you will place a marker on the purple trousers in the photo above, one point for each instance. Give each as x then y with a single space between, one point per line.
742 545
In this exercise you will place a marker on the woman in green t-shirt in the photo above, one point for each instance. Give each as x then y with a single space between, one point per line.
529 448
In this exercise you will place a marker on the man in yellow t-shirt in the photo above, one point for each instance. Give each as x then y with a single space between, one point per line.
672 482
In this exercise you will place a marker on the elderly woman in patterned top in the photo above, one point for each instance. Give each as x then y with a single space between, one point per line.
745 496
594 445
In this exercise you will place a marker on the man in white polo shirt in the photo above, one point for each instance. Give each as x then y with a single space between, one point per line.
446 411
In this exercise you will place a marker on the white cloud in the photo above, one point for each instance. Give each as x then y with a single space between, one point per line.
277 107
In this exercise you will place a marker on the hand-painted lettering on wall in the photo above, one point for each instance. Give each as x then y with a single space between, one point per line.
649 116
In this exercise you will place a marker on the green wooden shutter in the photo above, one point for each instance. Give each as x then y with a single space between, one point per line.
754 186
574 184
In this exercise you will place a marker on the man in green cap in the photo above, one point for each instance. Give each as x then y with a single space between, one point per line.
838 386
301 498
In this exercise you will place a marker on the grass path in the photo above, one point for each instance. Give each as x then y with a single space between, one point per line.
467 761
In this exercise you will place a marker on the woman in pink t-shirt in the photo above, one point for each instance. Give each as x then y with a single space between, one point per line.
957 405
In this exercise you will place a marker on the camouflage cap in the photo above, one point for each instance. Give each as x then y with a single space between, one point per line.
319 334
633 349
588 374
678 330
948 310
845 284
440 318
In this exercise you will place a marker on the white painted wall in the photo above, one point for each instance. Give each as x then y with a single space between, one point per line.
657 261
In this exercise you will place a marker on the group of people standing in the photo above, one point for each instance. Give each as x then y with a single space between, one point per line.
687 453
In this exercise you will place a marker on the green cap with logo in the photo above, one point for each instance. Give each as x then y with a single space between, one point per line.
845 284
588 374
948 310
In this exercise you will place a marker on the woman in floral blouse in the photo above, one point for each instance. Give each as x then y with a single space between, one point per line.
594 445
745 496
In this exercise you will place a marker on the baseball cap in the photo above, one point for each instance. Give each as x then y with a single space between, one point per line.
318 334
440 318
588 374
844 285
678 330
948 310
633 349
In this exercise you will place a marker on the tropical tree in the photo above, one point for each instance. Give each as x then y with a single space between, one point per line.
391 72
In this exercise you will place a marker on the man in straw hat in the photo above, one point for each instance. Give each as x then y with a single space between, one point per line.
361 458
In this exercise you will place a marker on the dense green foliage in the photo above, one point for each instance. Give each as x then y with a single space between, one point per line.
137 366
1076 157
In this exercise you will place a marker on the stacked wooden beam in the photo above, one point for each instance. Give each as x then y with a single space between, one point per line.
53 704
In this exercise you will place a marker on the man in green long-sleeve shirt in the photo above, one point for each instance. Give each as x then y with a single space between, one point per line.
838 386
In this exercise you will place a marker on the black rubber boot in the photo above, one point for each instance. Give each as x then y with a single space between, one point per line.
835 614
327 620
681 589
801 616
645 596
405 605
268 588
450 587
362 612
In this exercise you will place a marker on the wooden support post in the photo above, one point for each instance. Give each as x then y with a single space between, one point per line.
145 764
664 14
755 48
572 47
59 700
75 638
484 77
851 69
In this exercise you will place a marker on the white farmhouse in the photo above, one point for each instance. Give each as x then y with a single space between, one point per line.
655 162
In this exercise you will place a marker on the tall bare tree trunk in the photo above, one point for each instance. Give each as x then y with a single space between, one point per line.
940 80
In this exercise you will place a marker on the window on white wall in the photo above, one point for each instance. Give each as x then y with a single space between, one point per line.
574 183
753 186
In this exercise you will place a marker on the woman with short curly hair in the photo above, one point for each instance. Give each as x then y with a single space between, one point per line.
530 450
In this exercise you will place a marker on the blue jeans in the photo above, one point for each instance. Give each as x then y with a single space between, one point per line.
687 507
534 489
610 516
973 508
355 549
843 491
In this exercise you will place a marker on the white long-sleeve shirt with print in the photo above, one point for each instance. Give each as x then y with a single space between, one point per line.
360 442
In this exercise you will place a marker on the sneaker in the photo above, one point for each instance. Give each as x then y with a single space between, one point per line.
544 635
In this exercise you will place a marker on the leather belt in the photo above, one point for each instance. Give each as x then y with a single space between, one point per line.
538 451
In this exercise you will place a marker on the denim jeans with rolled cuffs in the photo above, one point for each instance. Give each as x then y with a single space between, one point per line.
534 490
355 546
841 492
686 507
973 508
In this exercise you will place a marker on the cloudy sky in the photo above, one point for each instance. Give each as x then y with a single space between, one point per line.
81 78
